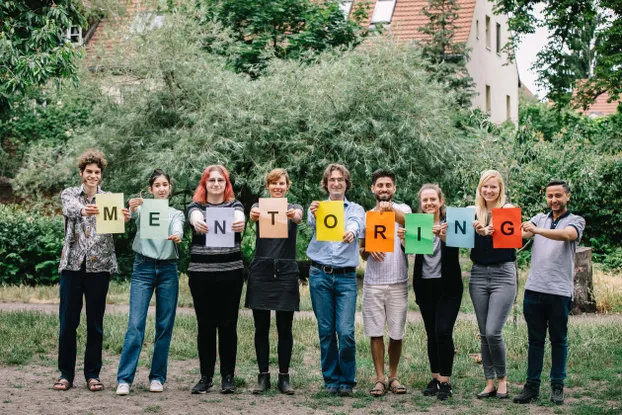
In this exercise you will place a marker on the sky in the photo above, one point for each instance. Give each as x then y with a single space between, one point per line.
526 55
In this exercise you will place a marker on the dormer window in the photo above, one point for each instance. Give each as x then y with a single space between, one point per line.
383 12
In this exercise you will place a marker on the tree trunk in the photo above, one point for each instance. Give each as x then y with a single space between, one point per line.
584 301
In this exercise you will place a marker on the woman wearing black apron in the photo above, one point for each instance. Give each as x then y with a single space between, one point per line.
273 285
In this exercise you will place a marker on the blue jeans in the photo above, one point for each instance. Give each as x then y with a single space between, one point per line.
149 275
542 310
333 297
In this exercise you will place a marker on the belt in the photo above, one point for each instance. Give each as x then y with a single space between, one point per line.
329 269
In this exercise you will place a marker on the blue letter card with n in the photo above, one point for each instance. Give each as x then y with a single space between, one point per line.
460 230
219 232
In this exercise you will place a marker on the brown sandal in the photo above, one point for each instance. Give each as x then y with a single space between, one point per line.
377 392
94 385
398 389
62 384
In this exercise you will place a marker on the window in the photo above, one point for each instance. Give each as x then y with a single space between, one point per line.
488 98
146 21
488 32
346 7
498 38
383 12
508 108
477 29
74 34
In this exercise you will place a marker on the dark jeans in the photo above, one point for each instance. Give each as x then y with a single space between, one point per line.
73 286
262 343
542 311
216 303
439 311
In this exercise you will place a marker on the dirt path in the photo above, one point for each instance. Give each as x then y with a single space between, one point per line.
413 316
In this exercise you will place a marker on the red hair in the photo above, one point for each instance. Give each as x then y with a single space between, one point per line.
200 194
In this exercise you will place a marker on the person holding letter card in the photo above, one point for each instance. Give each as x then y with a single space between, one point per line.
332 283
86 263
273 278
385 290
492 285
437 281
215 278
155 269
549 289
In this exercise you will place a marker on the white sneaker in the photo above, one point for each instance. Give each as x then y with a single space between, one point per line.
123 389
156 386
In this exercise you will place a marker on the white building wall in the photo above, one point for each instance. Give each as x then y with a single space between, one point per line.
487 67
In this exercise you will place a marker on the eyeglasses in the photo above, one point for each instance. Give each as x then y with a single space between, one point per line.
213 181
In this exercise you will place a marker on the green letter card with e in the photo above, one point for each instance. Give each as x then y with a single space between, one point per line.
154 219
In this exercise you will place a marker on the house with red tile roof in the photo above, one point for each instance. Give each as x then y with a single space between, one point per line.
485 34
601 107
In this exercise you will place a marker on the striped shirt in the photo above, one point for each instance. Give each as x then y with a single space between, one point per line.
394 268
209 261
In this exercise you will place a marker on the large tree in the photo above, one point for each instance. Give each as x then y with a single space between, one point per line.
281 28
583 55
33 45
446 57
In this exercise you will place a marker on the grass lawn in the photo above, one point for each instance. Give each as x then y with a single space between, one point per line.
594 383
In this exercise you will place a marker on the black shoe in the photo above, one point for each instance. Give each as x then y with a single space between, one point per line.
530 393
485 395
432 388
284 385
444 391
557 394
345 391
228 384
203 386
263 383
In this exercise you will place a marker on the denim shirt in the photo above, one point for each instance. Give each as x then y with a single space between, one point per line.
338 254
82 243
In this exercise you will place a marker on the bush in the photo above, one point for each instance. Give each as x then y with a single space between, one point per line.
30 246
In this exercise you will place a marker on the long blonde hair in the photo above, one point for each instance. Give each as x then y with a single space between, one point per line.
482 212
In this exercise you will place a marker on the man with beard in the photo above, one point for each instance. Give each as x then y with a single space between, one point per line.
332 284
87 261
385 290
549 289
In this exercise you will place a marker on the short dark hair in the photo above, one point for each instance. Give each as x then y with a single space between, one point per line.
382 173
157 173
558 183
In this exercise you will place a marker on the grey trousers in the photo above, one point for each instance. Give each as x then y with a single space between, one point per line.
492 289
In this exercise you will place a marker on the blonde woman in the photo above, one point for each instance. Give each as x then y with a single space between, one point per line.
492 285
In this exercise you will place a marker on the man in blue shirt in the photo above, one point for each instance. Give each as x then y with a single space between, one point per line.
332 283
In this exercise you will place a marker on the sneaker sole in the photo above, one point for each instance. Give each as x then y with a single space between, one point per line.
156 391
196 392
526 401
122 393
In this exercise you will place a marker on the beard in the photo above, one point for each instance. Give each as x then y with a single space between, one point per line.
384 197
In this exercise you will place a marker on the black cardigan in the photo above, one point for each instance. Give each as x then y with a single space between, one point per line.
451 275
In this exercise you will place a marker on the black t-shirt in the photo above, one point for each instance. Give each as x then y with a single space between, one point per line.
278 248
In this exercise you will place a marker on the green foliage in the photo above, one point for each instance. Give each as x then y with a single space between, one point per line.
584 42
30 246
33 47
46 117
283 29
446 58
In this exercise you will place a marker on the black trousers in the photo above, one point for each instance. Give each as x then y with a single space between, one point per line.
439 310
74 285
216 303
284 321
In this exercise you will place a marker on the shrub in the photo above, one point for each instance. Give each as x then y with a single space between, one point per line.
30 246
